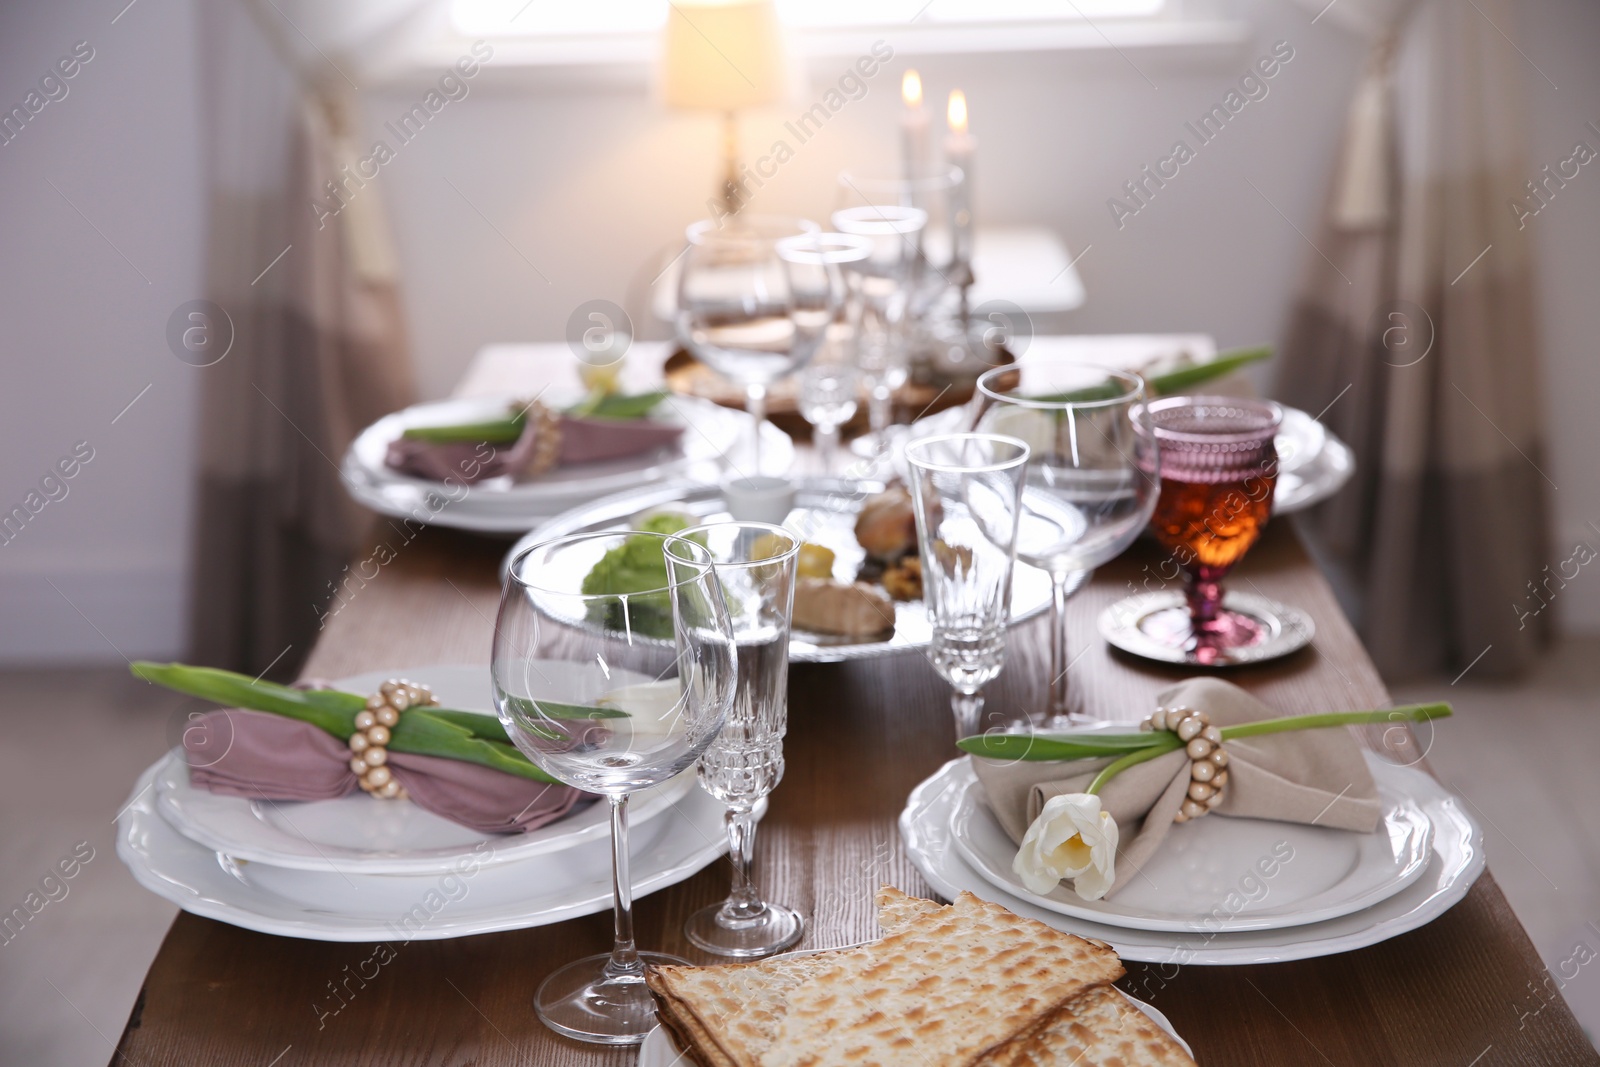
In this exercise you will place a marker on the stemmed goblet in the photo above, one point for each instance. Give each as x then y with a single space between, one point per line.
755 562
1092 480
1219 468
611 693
737 310
967 492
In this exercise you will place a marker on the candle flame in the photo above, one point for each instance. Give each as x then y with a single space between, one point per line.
957 112
911 88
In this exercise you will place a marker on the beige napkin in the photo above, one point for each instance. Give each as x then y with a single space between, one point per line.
1305 776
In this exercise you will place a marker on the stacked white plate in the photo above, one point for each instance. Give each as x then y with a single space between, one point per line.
713 443
359 869
1225 890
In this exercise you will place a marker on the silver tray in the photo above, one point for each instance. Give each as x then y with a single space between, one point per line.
824 513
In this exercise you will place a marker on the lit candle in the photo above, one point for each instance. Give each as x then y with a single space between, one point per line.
958 152
913 124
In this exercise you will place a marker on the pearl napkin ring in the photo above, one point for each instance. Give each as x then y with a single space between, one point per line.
1208 760
369 751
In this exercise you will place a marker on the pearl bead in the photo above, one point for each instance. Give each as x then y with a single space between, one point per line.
1189 728
375 756
1220 780
1212 734
374 702
1180 817
390 789
364 719
378 735
389 688
377 776
1199 748
1220 757
1200 791
1159 719
358 742
1202 771
358 765
400 701
1213 800
1193 809
1147 725
387 716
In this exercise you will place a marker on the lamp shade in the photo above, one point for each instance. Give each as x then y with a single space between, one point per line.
722 55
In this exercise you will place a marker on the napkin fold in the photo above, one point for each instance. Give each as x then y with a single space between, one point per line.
1307 776
581 441
260 756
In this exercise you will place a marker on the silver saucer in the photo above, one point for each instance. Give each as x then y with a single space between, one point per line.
1127 625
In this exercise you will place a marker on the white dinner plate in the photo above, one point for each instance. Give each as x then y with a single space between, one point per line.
360 834
824 513
1457 860
473 895
1316 872
498 505
1313 464
660 1050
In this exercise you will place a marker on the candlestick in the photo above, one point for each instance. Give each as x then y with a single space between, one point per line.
959 150
913 125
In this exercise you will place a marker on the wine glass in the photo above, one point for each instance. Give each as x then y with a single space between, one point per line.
611 692
884 281
755 563
736 311
829 386
1219 469
1092 480
966 489
934 188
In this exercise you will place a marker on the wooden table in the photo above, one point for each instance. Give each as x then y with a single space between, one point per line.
861 736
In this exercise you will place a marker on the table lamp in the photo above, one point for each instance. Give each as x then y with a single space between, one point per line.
723 55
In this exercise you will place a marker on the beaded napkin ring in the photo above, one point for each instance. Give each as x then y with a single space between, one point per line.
369 751
1208 760
546 440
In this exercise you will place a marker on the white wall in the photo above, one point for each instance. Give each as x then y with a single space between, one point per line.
82 327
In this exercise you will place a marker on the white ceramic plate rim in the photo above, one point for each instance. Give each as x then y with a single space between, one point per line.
175 800
193 877
1370 885
1458 859
659 1050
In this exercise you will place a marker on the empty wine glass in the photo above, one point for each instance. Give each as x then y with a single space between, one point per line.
1093 467
967 492
736 309
611 693
829 387
884 280
755 562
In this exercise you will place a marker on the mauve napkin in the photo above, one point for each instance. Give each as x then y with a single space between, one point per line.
1306 776
582 441
258 755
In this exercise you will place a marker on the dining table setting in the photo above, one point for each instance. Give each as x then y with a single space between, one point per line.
850 679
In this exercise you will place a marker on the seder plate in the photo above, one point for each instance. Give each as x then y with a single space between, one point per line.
357 834
825 513
1135 625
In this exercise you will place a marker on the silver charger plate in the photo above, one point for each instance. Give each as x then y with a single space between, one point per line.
824 513
1125 625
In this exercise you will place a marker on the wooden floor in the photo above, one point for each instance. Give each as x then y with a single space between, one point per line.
73 741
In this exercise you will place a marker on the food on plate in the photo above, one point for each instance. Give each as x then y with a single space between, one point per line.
816 561
638 565
849 609
887 524
968 984
902 579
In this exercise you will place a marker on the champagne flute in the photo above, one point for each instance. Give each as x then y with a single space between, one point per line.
611 693
967 492
1093 463
755 562
736 311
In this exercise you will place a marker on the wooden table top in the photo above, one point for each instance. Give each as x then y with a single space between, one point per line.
1460 991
